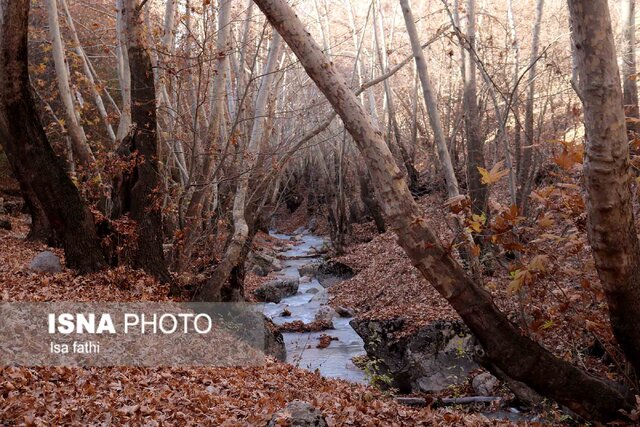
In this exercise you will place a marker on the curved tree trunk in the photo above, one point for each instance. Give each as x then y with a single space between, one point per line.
233 253
612 233
505 346
28 150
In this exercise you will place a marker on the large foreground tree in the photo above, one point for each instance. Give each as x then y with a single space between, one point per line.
40 172
506 349
612 233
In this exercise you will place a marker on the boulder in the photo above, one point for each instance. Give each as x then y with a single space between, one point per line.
312 291
5 224
257 330
45 262
333 272
435 357
325 314
262 263
485 384
309 270
305 279
275 290
345 311
298 414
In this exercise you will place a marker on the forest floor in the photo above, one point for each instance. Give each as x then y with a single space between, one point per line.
564 306
45 396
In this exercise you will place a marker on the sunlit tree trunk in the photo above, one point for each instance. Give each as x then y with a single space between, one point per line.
505 346
30 155
81 150
612 233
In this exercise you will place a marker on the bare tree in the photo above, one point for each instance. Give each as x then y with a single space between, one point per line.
526 171
430 101
81 150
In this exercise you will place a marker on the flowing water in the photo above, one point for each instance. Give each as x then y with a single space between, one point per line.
335 360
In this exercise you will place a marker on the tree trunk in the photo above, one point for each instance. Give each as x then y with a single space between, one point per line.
124 74
430 101
146 203
628 53
93 87
611 228
526 171
478 192
28 150
81 150
505 346
233 254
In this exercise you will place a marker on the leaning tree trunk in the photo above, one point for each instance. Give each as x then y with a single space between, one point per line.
505 346
29 152
86 66
628 53
612 233
146 203
81 150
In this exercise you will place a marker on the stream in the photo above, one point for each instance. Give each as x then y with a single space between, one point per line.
333 361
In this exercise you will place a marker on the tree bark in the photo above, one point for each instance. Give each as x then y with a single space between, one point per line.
28 150
503 343
146 202
611 229
124 74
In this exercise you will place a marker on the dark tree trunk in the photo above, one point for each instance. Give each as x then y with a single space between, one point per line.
370 202
30 154
145 185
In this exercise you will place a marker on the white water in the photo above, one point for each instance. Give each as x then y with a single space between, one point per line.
335 360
